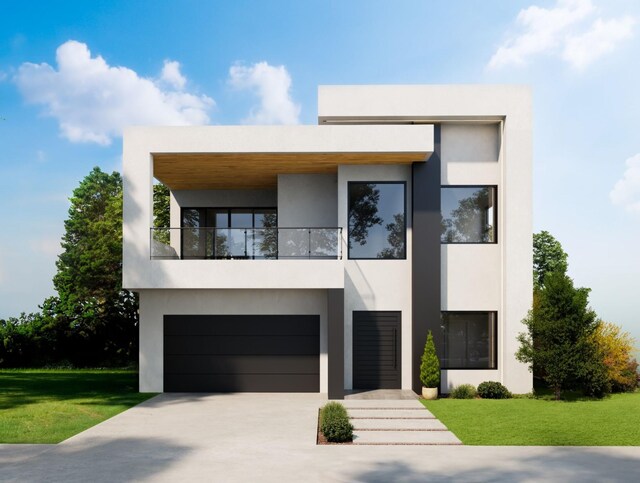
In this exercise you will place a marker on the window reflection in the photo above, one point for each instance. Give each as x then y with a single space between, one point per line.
469 340
377 225
468 214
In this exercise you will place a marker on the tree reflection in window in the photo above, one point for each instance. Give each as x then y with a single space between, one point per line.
468 214
377 227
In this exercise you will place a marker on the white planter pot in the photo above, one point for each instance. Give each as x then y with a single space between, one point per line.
430 392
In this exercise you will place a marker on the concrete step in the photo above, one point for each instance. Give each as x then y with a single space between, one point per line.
405 438
382 403
417 413
398 424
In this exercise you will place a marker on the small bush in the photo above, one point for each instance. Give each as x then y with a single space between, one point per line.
334 423
493 390
463 391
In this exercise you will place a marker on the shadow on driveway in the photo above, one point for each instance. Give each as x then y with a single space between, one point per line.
123 459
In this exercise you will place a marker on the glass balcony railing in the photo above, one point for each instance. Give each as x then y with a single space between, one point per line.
245 243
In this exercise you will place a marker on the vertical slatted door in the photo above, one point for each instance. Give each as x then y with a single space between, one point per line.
376 350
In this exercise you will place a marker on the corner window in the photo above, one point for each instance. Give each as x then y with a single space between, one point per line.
377 226
470 340
468 214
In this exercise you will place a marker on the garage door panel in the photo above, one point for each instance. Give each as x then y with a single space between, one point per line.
246 345
238 364
235 353
259 325
245 383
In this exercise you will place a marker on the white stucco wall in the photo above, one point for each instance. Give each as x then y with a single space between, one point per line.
376 284
154 304
139 272
486 139
308 200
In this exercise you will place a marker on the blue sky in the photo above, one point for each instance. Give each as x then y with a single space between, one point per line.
73 75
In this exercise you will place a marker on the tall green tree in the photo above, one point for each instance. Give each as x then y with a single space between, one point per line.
559 340
161 213
548 256
91 301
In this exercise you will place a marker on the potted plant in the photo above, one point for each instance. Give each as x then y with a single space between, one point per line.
430 370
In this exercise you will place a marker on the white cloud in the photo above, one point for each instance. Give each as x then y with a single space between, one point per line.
626 191
581 50
272 85
171 74
565 30
93 101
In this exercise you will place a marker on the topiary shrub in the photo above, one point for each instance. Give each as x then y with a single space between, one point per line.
334 423
463 391
430 364
493 390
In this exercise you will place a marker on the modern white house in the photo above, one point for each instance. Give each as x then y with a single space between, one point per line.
316 258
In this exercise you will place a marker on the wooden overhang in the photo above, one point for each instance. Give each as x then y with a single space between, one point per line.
260 170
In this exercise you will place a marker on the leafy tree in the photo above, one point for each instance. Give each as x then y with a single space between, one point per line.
430 364
396 238
548 256
558 341
616 348
161 213
91 300
363 211
467 218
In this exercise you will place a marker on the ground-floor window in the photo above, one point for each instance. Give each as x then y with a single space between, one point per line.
470 340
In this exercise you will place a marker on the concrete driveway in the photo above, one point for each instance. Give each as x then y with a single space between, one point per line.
271 437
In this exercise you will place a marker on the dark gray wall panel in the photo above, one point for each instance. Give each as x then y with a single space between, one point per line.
426 257
231 353
335 342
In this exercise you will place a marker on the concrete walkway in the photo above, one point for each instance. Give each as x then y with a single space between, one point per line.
391 422
272 438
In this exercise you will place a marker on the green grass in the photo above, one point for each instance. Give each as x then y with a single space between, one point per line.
49 406
613 421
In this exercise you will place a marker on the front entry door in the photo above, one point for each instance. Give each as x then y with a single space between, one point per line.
376 350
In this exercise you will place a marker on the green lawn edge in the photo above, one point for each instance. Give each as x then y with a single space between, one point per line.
612 421
47 406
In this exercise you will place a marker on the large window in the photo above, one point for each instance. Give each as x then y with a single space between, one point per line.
377 226
468 214
470 340
229 233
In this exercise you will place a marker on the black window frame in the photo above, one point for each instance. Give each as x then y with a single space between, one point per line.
495 213
404 185
495 343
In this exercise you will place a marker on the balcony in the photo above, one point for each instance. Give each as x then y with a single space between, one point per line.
191 243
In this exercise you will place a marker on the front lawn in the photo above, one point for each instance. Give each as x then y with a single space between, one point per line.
613 421
49 406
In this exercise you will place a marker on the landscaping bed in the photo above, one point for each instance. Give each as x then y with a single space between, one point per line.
49 406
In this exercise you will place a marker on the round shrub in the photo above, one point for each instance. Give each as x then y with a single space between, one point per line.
463 391
334 423
493 390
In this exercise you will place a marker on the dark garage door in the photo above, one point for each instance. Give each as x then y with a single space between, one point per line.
376 350
234 353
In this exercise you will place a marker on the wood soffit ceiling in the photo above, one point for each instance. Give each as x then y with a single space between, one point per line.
197 171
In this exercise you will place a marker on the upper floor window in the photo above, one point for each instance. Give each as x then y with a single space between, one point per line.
377 220
469 214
